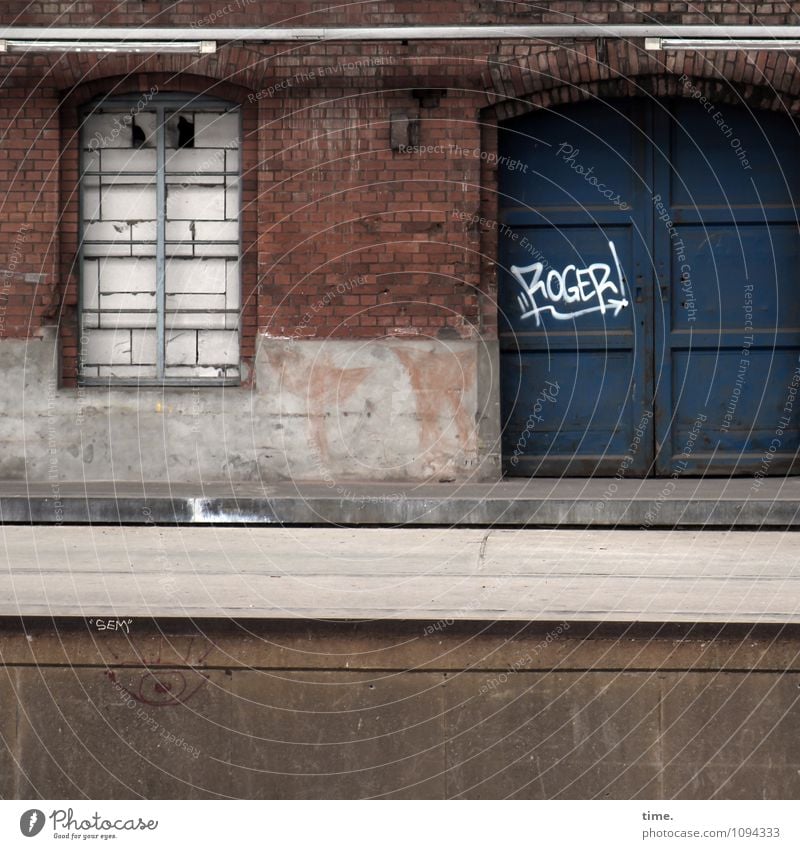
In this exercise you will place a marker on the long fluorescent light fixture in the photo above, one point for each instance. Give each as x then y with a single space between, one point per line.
87 46
722 44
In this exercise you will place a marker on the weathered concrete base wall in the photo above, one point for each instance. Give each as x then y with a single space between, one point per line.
339 410
429 710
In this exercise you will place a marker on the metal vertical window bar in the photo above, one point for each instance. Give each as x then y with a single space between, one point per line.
161 225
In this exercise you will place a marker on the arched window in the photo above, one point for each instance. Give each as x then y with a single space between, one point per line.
160 291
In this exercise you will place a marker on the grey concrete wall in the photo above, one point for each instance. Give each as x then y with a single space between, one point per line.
336 411
420 710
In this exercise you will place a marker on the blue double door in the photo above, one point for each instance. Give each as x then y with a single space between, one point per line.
649 290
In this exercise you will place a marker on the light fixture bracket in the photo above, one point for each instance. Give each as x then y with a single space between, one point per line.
702 44
105 46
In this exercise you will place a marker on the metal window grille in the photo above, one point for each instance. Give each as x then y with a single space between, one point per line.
160 292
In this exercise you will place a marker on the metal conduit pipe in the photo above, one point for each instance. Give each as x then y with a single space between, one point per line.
410 33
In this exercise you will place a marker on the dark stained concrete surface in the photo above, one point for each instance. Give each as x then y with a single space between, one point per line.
537 502
423 710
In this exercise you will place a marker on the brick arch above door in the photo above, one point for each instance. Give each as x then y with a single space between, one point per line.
552 76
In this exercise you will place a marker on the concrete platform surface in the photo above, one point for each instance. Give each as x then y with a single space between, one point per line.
537 502
401 574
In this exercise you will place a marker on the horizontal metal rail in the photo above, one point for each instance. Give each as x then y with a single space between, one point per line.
409 33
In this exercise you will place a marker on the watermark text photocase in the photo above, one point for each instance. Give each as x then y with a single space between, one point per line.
569 156
546 396
99 140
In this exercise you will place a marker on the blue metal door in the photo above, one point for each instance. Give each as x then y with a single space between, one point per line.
649 312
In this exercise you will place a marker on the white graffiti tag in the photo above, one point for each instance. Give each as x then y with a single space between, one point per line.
592 285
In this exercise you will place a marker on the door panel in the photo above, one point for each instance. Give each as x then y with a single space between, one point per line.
728 345
574 312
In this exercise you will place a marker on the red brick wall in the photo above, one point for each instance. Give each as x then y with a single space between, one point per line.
343 236
230 13
28 208
338 204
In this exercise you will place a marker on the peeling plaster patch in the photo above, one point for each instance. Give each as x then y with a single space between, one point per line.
438 381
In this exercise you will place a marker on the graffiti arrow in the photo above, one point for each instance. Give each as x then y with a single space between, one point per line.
617 303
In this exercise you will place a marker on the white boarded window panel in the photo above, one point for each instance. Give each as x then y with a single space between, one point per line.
107 231
195 165
222 231
181 348
120 162
128 202
195 321
107 129
195 202
130 319
99 249
179 231
196 275
108 346
90 162
217 250
120 167
194 179
90 274
186 160
120 302
179 249
128 275
91 202
216 130
143 346
143 231
196 303
232 288
232 198
114 180
218 347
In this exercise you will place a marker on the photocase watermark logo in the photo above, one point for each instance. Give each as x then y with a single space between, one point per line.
66 825
31 822
66 821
